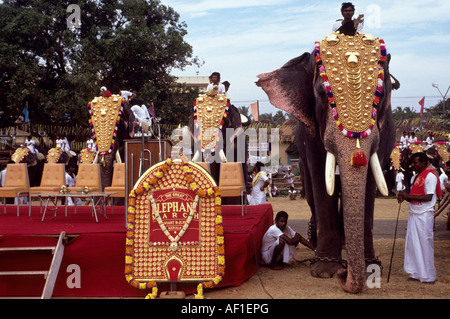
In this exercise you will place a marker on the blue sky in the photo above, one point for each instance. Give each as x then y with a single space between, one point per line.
244 38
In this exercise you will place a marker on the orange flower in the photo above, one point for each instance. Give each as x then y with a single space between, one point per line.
219 229
209 284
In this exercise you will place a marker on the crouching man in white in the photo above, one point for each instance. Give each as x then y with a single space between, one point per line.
279 242
419 241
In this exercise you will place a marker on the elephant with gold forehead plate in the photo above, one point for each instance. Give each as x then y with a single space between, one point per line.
34 161
111 121
341 95
212 115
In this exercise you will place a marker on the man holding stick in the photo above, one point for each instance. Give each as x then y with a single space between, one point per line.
419 241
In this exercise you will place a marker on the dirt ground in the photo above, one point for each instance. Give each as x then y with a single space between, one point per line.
295 281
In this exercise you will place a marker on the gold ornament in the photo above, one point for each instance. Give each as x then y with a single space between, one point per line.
87 155
211 109
19 154
105 113
54 154
351 64
395 157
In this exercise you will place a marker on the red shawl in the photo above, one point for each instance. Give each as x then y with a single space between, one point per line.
418 187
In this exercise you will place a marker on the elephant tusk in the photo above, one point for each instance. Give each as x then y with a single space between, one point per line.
95 161
222 156
118 158
196 157
378 174
330 166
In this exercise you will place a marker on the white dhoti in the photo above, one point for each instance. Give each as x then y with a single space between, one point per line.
286 255
271 239
419 247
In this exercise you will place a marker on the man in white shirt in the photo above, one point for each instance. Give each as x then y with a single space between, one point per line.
290 177
127 95
215 79
279 242
31 144
259 186
404 141
419 241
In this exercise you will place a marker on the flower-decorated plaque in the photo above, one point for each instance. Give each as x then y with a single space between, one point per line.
175 231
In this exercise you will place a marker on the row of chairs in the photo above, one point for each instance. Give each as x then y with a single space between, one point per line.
231 182
53 177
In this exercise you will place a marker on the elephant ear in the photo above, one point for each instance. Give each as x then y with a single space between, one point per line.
290 88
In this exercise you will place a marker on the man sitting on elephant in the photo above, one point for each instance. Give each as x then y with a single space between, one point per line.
348 26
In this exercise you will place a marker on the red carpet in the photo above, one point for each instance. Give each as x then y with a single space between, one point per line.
99 250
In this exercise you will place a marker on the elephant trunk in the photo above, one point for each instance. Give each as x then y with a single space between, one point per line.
353 200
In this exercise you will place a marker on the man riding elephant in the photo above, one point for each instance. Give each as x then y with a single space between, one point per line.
341 96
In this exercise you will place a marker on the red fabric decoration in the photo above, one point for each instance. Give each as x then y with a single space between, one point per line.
359 159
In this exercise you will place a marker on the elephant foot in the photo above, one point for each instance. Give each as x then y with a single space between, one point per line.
324 268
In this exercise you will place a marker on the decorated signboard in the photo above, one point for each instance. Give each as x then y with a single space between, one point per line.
175 231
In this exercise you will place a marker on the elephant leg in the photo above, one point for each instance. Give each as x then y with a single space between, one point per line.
325 214
369 251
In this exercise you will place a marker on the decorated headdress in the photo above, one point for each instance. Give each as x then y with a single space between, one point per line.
210 112
352 72
105 116
20 154
87 155
54 154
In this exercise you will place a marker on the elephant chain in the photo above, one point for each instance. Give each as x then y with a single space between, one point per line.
344 262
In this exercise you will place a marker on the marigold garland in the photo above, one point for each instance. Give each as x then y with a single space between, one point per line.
213 191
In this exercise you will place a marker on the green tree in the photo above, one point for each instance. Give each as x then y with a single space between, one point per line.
279 117
56 71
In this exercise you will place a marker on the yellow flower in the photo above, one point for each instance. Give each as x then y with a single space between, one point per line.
220 240
217 280
159 174
221 260
129 278
142 285
219 219
128 259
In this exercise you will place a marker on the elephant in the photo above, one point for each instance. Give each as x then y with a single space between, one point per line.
213 141
111 121
34 161
323 90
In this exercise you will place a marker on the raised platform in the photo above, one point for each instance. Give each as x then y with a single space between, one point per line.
98 249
